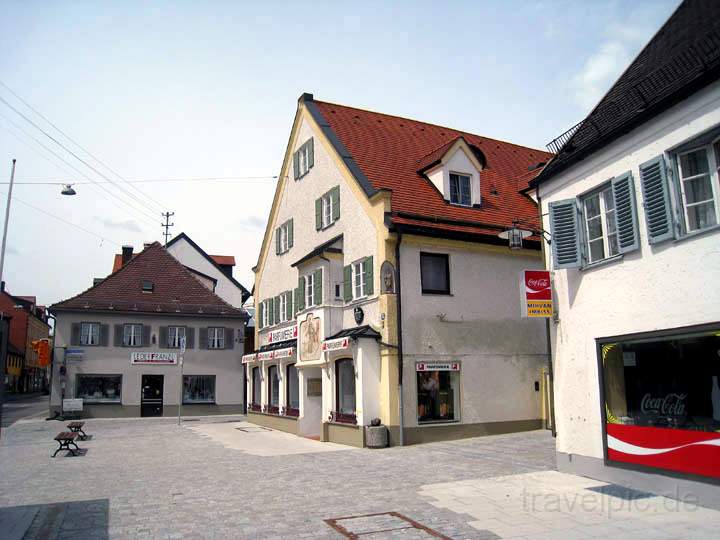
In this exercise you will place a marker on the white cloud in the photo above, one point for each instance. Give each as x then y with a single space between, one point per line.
125 225
599 72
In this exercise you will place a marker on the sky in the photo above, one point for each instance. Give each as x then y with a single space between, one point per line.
198 90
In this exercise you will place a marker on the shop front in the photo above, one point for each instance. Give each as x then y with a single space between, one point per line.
661 402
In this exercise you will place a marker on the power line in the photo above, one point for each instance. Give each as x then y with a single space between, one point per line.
145 216
218 179
97 160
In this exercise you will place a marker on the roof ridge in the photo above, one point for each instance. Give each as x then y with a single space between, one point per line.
433 125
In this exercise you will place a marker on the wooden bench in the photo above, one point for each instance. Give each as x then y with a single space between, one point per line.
77 427
65 439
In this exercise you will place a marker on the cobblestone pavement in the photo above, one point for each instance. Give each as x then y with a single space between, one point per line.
151 479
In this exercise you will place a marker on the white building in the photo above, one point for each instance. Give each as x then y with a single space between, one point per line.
632 201
383 290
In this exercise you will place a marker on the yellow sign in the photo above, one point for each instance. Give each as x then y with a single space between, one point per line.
539 308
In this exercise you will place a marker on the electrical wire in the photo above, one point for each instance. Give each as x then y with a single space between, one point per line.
218 179
97 160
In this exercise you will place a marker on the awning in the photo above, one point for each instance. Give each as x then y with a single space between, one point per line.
281 349
319 250
365 331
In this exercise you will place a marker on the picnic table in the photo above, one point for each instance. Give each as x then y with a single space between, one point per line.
65 439
77 427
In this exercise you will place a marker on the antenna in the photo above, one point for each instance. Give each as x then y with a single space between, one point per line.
167 225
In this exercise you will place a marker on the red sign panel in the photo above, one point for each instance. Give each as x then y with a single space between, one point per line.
691 452
536 293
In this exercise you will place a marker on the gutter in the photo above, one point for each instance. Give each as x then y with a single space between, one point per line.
400 338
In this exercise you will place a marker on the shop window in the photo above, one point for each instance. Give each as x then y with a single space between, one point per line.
98 388
435 273
438 389
89 333
663 394
256 382
292 390
344 392
199 389
273 389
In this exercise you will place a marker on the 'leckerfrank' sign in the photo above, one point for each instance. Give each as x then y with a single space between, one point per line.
156 358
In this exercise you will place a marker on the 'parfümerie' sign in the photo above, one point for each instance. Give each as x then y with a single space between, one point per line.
291 332
437 366
156 358
335 344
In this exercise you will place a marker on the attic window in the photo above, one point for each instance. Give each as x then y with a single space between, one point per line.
148 286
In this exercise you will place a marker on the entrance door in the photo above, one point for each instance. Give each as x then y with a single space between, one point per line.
151 401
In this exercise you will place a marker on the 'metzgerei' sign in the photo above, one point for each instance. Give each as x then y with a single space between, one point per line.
536 293
162 358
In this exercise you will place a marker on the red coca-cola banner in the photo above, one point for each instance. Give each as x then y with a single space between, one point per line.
692 452
536 293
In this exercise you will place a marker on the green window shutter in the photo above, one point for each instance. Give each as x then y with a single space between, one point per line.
318 214
656 200
623 189
271 311
311 153
369 279
335 196
296 165
277 241
347 283
318 289
296 304
261 308
287 314
276 309
290 233
565 232
301 296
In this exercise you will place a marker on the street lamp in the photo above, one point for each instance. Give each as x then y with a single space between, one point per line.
515 235
68 190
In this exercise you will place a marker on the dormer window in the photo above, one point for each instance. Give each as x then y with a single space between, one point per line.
460 189
147 286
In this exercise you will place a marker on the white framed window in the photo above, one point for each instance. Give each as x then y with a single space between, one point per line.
327 210
460 189
310 290
600 224
132 335
303 159
216 338
359 280
283 232
698 182
283 299
89 333
174 336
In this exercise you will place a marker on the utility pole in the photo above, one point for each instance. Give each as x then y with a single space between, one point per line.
7 218
166 225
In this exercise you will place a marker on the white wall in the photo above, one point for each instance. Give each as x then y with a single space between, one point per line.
458 162
666 286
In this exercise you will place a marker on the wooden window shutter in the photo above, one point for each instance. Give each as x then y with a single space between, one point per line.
163 337
318 287
146 335
277 241
296 165
369 278
118 335
288 305
271 311
276 310
656 200
104 331
347 283
75 334
203 338
259 320
311 152
189 338
565 232
229 338
301 296
290 233
623 189
318 214
296 305
335 196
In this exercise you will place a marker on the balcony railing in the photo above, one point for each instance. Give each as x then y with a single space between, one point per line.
343 418
558 142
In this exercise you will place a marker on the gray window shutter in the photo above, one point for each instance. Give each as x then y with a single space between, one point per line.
104 331
623 189
296 165
311 152
301 296
335 196
565 232
276 309
146 335
189 338
288 305
347 283
370 280
259 318
118 336
203 338
290 233
656 200
277 241
75 334
163 337
318 214
229 338
318 290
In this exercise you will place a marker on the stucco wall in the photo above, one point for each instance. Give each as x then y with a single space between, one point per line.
479 325
666 286
97 360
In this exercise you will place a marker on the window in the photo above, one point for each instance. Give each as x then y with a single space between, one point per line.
98 388
698 191
310 290
345 387
600 225
132 335
273 388
438 393
199 389
89 333
359 280
174 336
148 286
435 273
265 311
326 210
283 301
284 237
303 159
256 386
216 338
460 190
292 387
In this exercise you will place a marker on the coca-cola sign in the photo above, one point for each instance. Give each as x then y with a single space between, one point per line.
536 293
669 405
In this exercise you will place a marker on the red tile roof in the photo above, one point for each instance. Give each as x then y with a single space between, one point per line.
390 150
117 261
175 289
224 260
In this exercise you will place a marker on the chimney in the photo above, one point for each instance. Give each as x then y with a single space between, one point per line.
147 245
2 286
127 253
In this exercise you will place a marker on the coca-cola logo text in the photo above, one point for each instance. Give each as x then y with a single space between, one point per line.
538 283
671 405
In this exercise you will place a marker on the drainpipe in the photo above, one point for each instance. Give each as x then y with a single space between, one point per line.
551 375
400 338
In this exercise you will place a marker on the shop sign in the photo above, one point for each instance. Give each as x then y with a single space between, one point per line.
335 344
284 353
157 358
247 358
74 354
72 405
266 355
536 293
291 332
437 366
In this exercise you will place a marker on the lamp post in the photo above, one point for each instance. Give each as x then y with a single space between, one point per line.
7 218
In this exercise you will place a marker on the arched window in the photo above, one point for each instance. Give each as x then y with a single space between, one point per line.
345 392
292 391
256 388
